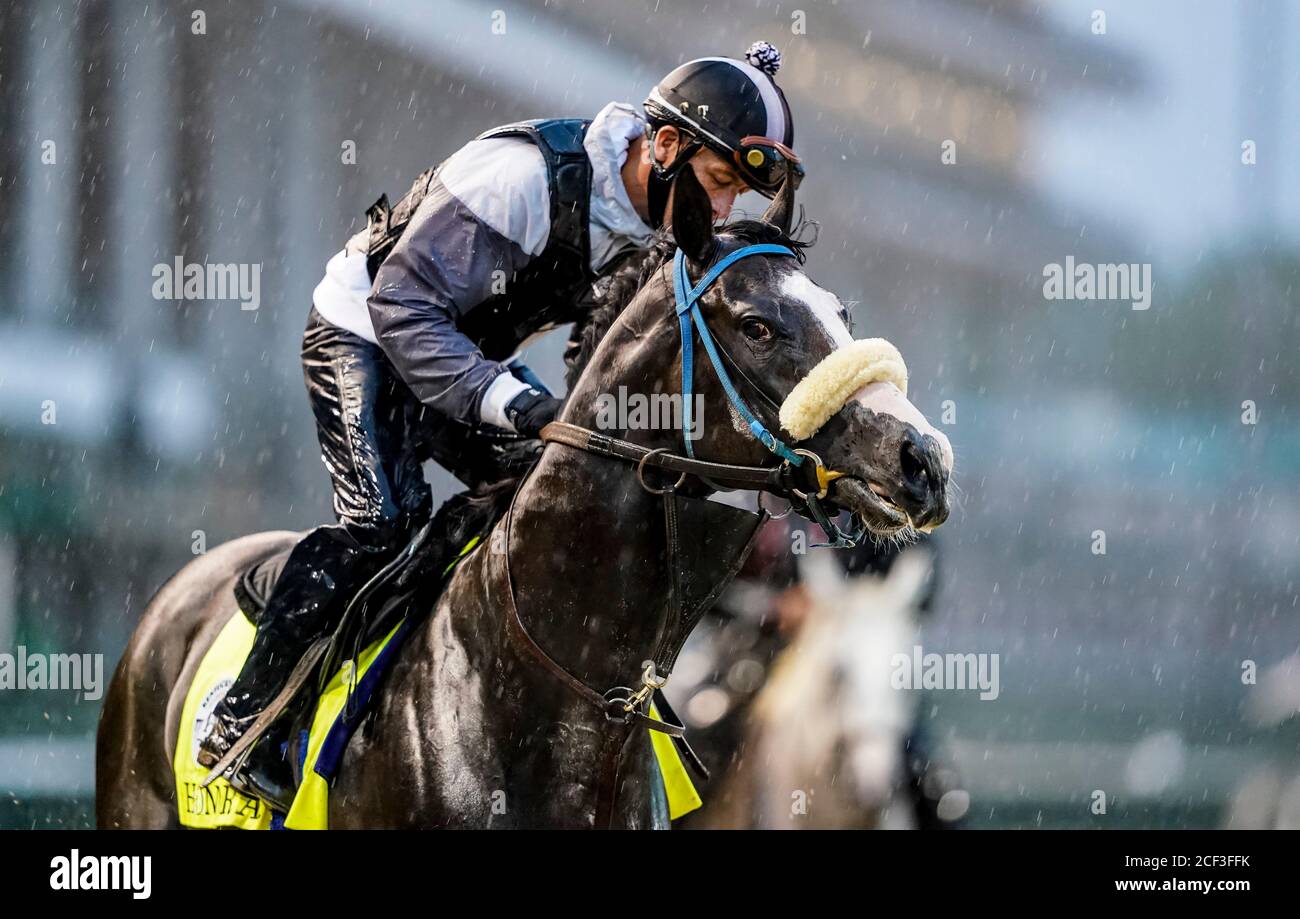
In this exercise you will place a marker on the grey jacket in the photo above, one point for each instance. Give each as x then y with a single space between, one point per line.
485 218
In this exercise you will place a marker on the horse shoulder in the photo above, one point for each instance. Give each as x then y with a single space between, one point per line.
427 733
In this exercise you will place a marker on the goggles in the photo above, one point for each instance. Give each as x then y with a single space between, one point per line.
765 164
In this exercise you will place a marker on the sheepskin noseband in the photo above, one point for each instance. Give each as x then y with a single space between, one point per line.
829 385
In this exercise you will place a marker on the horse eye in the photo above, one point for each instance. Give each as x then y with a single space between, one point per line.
756 330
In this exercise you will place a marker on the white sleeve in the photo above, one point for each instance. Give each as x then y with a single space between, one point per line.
498 395
503 182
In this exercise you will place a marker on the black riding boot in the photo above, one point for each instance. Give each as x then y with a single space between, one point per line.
370 429
324 568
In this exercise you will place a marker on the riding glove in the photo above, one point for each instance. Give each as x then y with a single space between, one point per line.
532 410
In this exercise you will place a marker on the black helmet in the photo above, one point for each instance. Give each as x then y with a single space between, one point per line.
735 109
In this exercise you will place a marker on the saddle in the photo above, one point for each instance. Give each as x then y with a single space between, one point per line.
308 726
254 587
340 673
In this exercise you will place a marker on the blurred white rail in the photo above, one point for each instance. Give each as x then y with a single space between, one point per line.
1159 770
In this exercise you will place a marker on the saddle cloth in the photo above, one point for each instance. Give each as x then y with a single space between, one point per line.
219 805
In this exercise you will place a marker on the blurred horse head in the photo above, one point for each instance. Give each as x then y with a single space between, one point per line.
826 736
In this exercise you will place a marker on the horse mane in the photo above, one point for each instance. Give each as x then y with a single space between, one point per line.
620 287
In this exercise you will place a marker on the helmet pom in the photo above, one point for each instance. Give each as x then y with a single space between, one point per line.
765 57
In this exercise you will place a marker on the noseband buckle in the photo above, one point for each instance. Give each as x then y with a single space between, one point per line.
824 476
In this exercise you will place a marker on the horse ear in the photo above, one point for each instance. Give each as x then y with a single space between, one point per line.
780 213
692 217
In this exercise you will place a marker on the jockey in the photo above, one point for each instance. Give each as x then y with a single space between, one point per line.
408 348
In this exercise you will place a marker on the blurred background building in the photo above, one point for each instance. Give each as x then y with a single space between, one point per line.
127 140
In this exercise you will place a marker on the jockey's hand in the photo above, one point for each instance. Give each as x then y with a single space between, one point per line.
532 410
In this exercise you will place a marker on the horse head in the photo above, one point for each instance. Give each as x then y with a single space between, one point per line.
786 345
830 717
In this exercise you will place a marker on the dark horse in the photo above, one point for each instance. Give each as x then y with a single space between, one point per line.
467 716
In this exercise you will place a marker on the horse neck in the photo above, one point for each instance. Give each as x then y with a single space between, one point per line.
588 559
588 548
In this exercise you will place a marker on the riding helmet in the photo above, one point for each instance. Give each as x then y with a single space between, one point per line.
735 109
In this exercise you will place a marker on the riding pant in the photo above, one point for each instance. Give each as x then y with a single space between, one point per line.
374 435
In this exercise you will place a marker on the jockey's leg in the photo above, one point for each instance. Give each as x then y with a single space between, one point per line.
363 418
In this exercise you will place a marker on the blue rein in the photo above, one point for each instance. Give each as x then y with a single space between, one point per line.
688 309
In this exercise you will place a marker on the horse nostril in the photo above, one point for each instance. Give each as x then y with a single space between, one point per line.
913 465
923 493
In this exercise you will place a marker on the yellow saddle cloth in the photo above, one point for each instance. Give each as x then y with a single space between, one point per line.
220 805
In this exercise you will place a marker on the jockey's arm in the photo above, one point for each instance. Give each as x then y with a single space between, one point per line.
485 217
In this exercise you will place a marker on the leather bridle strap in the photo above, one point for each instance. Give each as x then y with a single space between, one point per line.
688 313
622 712
784 480
806 483
613 708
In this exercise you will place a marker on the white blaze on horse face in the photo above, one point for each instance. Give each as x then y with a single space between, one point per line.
884 398
887 399
821 303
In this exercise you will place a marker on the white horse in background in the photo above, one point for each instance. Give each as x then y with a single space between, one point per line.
1268 796
824 744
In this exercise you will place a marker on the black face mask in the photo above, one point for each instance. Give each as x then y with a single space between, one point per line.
660 182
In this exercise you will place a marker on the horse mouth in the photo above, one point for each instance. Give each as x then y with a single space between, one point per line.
871 504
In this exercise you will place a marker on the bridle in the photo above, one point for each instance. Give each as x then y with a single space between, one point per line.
801 477
816 477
